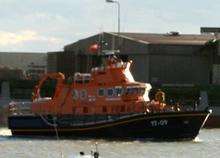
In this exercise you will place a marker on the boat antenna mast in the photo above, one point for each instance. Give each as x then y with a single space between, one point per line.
100 50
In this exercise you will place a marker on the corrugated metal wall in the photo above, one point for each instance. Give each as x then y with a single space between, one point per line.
178 64
158 63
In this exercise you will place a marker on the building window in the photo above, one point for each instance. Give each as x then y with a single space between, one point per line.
83 94
101 92
110 92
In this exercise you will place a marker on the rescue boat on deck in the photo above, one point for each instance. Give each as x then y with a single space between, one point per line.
105 103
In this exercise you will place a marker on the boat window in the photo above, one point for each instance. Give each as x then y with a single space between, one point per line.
104 109
101 92
135 90
122 108
75 94
128 90
110 92
73 110
83 94
128 109
85 110
82 78
142 90
118 91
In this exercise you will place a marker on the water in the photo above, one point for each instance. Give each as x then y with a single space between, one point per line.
206 145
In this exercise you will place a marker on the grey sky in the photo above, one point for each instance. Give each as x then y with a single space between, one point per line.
48 25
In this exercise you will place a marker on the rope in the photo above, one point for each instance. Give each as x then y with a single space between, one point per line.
57 135
54 124
47 122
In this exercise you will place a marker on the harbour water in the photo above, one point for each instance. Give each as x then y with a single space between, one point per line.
207 144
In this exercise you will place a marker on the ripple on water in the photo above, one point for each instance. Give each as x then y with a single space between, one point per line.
207 144
197 140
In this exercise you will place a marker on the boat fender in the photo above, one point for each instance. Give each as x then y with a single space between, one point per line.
81 153
96 154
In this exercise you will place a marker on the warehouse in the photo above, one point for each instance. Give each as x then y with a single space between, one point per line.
13 64
170 58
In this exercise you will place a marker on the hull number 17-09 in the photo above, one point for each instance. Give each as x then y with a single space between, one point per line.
155 123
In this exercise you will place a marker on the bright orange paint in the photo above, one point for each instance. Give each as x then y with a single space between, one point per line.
109 89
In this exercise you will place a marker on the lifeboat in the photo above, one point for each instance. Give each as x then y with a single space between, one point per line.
106 103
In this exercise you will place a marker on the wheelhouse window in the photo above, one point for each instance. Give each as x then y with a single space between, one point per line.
110 92
83 94
101 92
129 91
135 90
142 90
118 91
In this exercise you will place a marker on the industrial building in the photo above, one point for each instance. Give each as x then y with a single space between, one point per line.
32 64
170 58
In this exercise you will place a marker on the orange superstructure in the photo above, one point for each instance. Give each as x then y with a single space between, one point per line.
108 89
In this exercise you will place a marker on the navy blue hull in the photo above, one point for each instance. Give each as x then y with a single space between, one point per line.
172 125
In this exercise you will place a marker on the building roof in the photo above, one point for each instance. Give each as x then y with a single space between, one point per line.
169 38
22 60
173 38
